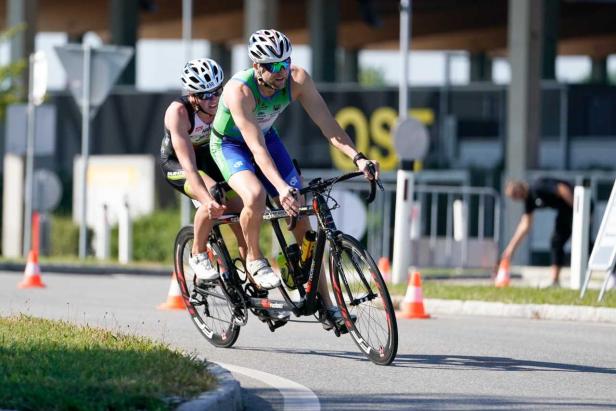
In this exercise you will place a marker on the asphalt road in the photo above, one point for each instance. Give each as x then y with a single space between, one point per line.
452 363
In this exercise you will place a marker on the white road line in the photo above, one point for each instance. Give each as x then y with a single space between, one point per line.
294 395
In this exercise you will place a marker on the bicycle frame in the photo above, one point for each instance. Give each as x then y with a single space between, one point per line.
308 293
326 231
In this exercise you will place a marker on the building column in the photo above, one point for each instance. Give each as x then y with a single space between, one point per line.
323 21
124 24
481 67
22 12
258 14
523 101
220 53
348 68
551 20
598 70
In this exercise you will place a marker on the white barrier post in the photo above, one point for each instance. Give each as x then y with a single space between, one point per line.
580 233
402 238
125 234
103 235
460 227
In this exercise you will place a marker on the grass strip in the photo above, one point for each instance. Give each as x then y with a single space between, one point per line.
510 295
54 365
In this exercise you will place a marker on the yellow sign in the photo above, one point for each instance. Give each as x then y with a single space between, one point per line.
373 136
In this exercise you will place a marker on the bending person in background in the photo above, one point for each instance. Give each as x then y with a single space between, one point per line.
544 192
186 161
244 136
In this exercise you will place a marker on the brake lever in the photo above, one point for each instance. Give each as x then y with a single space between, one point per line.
378 183
373 183
292 223
293 219
218 193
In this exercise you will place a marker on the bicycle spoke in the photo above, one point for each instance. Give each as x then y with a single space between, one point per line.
361 290
216 319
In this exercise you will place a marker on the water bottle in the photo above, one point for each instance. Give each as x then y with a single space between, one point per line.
286 276
308 246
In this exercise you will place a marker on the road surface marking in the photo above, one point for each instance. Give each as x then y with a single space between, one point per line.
294 395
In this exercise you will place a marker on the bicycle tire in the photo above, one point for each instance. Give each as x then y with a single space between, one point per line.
212 313
354 277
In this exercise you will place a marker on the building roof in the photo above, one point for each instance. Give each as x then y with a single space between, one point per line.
584 26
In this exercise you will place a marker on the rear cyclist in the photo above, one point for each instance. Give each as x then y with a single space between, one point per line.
186 161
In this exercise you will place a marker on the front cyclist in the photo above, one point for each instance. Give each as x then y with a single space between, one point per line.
185 156
243 135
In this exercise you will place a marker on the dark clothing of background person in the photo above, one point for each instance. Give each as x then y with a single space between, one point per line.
542 193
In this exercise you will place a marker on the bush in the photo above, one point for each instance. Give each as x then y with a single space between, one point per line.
153 236
64 236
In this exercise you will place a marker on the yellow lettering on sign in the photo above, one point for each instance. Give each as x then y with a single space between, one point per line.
382 121
375 138
351 117
424 115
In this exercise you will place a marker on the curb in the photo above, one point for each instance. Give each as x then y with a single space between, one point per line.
530 311
226 397
93 270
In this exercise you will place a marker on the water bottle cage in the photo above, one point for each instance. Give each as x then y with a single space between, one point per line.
305 271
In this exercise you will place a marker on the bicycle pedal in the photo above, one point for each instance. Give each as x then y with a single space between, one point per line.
282 315
204 285
275 324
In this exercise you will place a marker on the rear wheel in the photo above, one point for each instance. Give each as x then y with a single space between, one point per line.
362 296
209 307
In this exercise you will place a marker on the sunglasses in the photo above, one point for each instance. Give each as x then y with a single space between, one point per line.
277 66
208 95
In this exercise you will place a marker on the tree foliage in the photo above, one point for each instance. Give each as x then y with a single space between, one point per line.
10 91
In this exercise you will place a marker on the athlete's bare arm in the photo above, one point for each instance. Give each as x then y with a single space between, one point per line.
176 121
304 91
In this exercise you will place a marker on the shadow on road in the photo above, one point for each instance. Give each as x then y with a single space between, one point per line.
467 362
394 402
351 355
450 362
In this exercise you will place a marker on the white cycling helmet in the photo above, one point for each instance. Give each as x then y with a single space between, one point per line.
202 75
268 46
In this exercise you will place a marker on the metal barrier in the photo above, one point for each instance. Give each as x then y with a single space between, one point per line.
460 230
469 237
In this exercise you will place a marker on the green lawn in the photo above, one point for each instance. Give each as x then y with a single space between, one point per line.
515 295
53 365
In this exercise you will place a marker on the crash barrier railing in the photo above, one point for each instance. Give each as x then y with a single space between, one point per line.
452 224
469 237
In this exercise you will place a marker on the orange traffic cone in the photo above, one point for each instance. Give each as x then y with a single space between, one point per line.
412 306
502 278
384 268
32 274
175 301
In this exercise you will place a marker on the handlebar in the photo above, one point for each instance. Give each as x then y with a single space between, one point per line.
317 185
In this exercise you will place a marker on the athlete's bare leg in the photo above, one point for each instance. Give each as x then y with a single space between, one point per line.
202 221
203 224
246 184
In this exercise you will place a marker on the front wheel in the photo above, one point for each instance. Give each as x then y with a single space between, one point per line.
209 308
364 301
